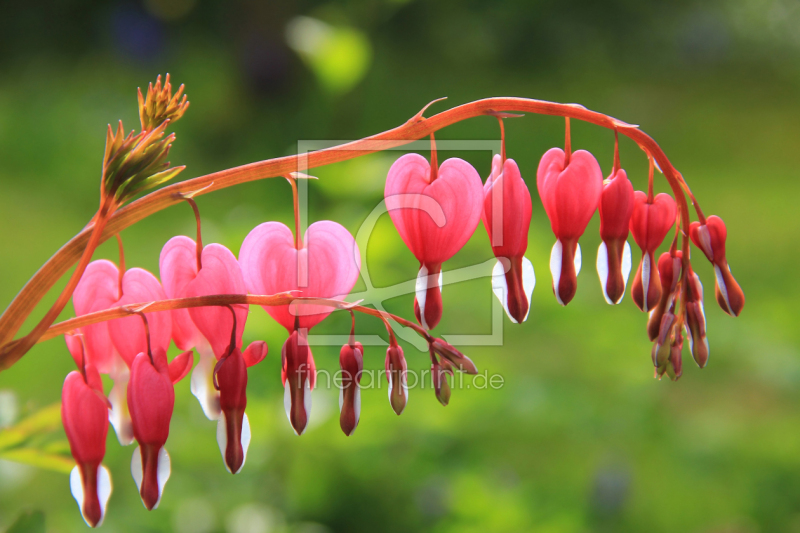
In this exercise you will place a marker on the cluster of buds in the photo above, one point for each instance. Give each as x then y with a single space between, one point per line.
435 208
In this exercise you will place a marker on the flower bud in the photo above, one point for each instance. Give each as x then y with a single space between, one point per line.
669 272
460 361
396 375
696 320
351 361
710 238
440 385
299 375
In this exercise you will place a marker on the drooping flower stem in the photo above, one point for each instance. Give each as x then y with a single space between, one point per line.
199 240
416 128
298 239
219 300
616 166
434 160
121 264
567 143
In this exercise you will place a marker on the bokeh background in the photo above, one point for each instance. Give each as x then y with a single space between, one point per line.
580 437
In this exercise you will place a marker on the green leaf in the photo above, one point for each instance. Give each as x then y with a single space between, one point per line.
28 522
40 459
43 421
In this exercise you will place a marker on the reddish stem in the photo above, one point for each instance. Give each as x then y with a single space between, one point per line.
567 143
615 167
199 243
434 160
121 264
298 239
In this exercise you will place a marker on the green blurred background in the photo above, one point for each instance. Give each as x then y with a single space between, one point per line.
580 437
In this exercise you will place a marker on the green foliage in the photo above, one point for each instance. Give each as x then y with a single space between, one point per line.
31 441
28 522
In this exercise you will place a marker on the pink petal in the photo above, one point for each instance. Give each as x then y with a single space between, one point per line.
220 274
128 334
98 289
178 267
329 265
458 190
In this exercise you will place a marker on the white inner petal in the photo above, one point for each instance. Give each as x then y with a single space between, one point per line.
76 487
626 268
705 240
555 267
287 400
421 290
528 283
246 437
723 289
104 488
222 438
500 286
577 260
202 385
118 414
136 467
645 280
357 405
307 400
602 270
162 473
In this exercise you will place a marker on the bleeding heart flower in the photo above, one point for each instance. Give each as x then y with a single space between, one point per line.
507 217
614 254
397 376
206 328
299 376
710 237
417 195
669 272
112 346
151 399
326 267
85 417
570 191
650 222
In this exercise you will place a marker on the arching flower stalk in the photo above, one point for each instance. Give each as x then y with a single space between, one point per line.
301 278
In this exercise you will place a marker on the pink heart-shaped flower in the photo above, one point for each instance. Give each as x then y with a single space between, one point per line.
651 222
434 230
326 267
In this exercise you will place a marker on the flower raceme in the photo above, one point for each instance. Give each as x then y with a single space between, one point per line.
435 209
